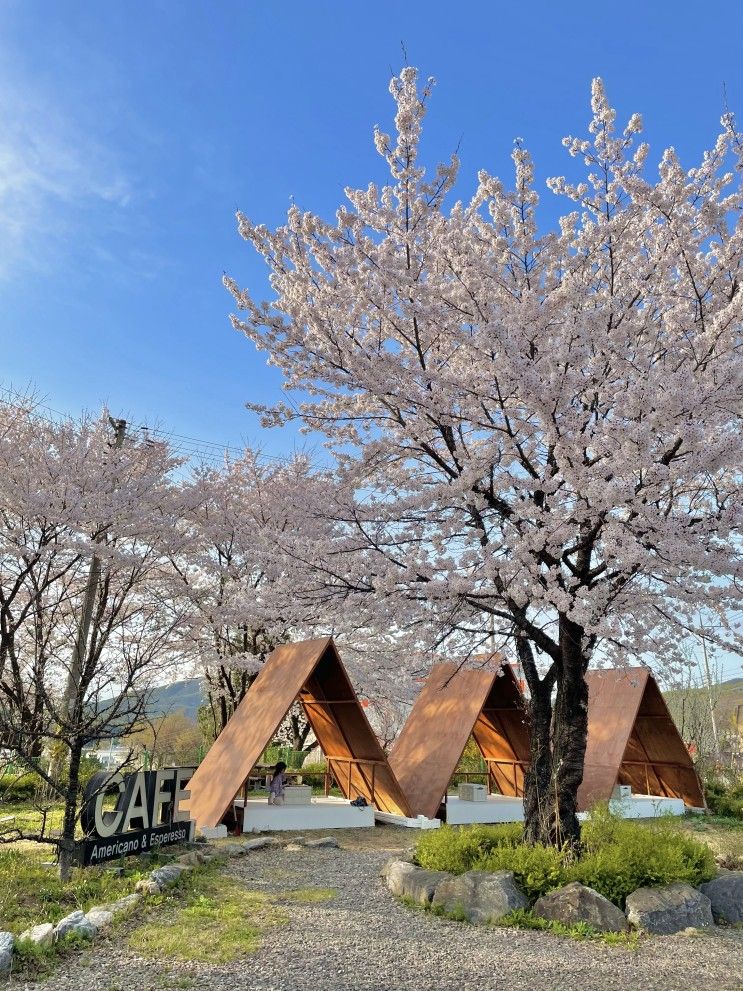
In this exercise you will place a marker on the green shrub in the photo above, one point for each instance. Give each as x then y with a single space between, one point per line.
19 787
314 771
618 855
724 799
537 868
457 850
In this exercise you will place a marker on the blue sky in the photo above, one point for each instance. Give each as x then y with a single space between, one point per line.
131 132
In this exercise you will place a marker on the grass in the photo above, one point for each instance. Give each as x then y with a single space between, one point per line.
31 893
724 836
208 917
581 931
306 896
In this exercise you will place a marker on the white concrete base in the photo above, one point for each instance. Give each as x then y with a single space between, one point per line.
496 808
321 813
214 832
410 822
646 807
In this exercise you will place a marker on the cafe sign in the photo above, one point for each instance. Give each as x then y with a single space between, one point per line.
146 815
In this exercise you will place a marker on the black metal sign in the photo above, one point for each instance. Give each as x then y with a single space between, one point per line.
146 816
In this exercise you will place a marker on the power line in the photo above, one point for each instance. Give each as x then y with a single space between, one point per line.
183 445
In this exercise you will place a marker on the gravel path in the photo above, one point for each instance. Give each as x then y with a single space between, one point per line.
365 941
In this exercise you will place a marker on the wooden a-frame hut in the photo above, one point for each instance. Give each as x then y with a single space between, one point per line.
454 704
312 673
633 740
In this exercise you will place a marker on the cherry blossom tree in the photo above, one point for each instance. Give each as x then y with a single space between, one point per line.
245 592
537 431
69 497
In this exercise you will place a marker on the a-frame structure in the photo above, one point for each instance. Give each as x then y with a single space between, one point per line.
311 672
633 740
454 704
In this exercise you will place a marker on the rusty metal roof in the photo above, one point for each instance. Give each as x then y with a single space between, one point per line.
632 739
453 704
312 672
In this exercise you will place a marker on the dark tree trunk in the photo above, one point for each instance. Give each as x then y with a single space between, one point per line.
559 732
539 774
67 839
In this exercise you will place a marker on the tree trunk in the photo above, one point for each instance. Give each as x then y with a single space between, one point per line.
539 774
559 733
67 839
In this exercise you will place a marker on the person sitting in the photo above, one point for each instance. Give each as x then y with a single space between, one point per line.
278 783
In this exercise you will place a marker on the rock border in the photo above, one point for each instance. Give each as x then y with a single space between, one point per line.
87 925
482 898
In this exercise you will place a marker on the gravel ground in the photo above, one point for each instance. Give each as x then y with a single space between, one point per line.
366 941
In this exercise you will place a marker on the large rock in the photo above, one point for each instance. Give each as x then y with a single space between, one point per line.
259 843
232 850
480 895
669 909
726 897
420 885
75 923
394 872
6 953
168 874
121 905
323 841
146 886
190 859
41 935
99 918
577 903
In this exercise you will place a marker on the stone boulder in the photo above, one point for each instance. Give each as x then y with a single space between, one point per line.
259 843
420 885
232 850
481 896
394 872
669 909
323 841
120 906
99 918
146 886
726 897
75 923
167 875
190 859
7 942
578 903
41 935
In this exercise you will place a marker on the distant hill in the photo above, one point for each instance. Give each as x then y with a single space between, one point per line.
185 695
690 710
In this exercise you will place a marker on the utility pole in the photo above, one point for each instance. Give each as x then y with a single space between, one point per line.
708 679
86 616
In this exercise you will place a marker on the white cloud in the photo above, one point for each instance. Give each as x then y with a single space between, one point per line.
52 171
